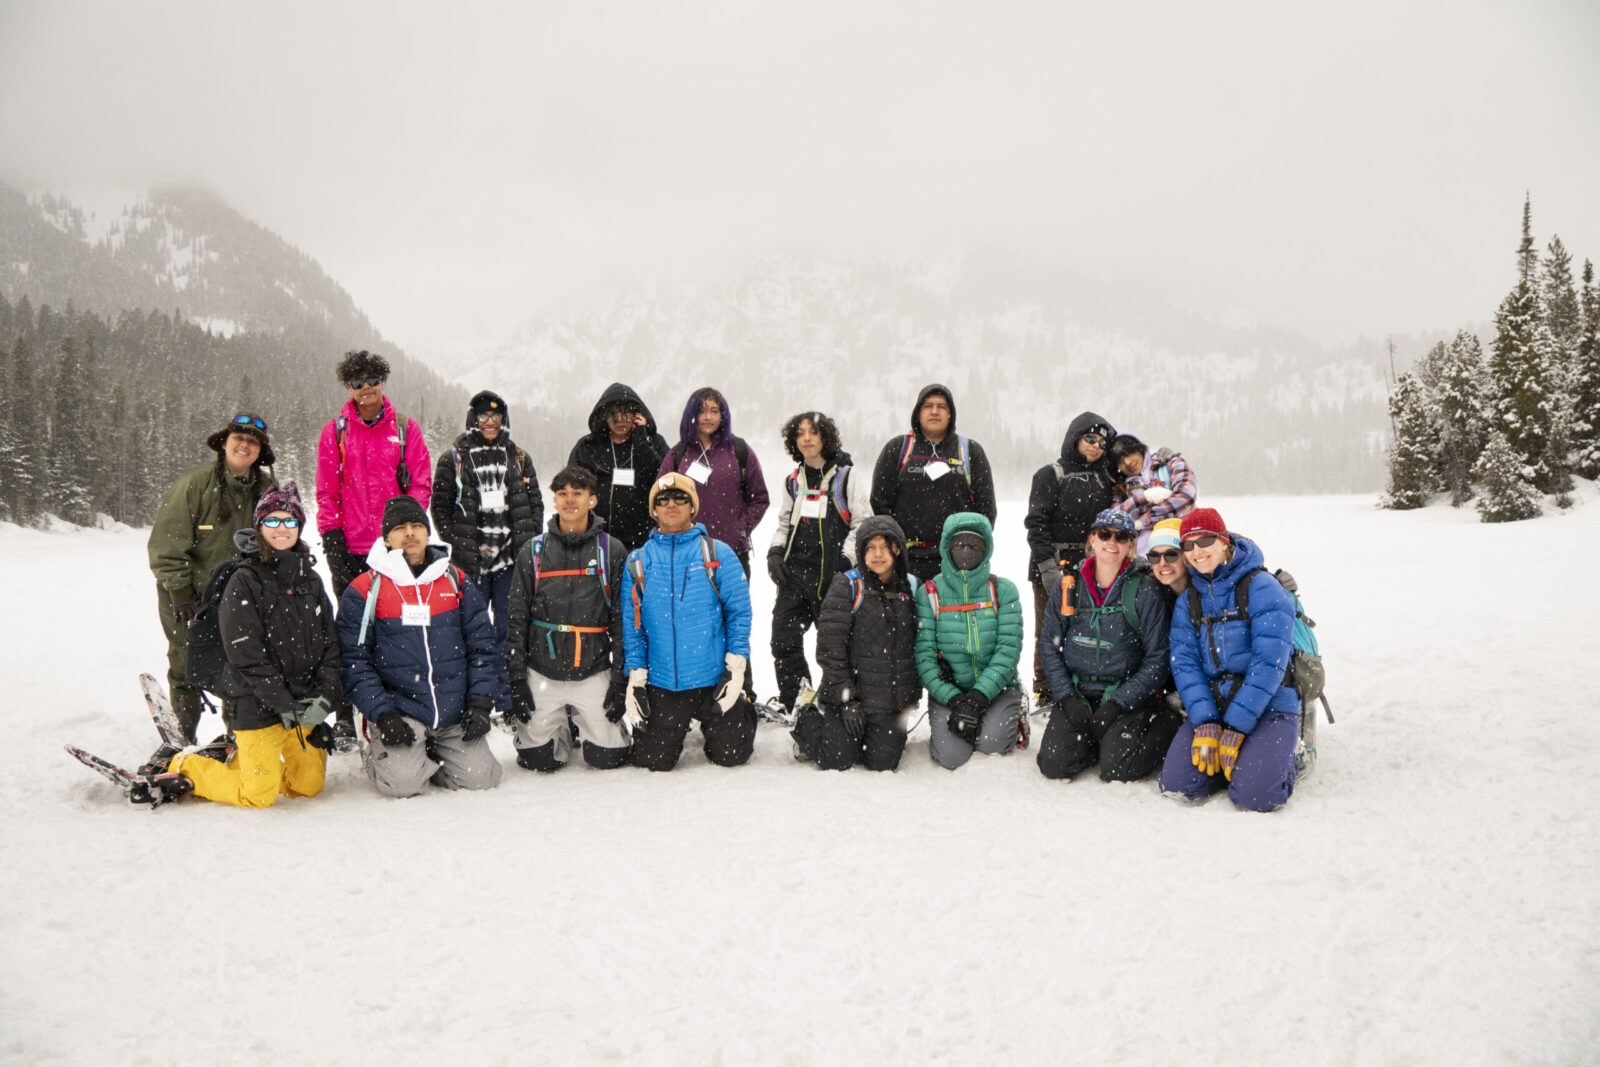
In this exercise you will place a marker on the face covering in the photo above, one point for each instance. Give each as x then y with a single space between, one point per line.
966 551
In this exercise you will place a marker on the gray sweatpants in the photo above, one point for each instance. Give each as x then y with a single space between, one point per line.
586 697
405 772
997 734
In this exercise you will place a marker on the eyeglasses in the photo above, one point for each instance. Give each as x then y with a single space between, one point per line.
1203 541
490 417
1093 439
364 383
250 420
1122 537
1166 557
272 522
672 496
620 413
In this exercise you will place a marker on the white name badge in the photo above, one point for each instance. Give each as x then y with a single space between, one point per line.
811 507
622 476
492 499
415 614
936 470
700 471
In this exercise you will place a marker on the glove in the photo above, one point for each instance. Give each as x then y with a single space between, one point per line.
1049 573
637 711
1157 494
308 712
1203 750
395 731
776 569
321 736
966 715
474 721
1231 742
184 608
616 702
341 565
522 705
855 719
947 673
732 682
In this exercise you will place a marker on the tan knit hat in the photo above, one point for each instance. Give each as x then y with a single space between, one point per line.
674 480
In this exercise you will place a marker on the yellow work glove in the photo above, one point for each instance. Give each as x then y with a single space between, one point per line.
1229 747
1203 750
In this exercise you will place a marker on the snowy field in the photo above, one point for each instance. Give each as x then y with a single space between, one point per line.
1429 895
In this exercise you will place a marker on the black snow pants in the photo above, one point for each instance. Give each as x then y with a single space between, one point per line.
658 742
1129 744
820 732
793 613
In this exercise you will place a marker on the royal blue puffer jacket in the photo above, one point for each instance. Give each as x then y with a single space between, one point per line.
1257 651
687 628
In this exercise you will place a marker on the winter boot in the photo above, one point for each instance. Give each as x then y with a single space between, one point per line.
158 789
344 731
157 763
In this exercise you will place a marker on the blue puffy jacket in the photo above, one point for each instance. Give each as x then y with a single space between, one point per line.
1257 651
428 673
687 629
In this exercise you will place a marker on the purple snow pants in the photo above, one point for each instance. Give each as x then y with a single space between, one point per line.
1263 778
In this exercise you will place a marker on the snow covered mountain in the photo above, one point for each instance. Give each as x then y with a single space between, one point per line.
1024 344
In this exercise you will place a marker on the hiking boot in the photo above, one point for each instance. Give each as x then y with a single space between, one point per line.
158 789
344 735
1305 759
157 763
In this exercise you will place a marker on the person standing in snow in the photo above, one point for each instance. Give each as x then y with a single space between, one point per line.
1104 642
419 661
928 475
1150 488
1064 499
866 647
193 532
686 632
283 673
624 451
1231 669
969 641
364 457
486 505
564 650
818 513
726 473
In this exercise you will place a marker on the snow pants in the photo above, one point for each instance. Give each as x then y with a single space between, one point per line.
495 589
437 756
730 736
996 734
1264 777
185 697
793 612
1128 743
267 764
545 742
820 732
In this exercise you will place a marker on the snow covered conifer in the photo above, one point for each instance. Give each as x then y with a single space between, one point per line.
1516 388
1554 415
1560 297
1411 458
1586 379
1505 484
1461 415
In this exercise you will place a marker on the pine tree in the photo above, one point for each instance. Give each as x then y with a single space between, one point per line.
1516 390
1527 256
67 491
1411 458
1506 492
1560 297
1553 415
22 419
1461 415
1586 379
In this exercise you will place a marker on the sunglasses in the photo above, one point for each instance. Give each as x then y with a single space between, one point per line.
250 420
1166 557
672 496
273 522
1120 536
364 383
1093 439
1203 541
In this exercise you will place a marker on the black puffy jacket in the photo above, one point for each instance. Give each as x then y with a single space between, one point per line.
1061 508
625 509
870 655
455 508
540 595
278 632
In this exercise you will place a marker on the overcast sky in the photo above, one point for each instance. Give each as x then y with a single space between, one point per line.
1340 168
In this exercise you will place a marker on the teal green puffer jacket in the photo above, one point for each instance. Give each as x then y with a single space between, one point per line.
980 640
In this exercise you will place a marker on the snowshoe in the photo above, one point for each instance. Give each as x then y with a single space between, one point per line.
158 789
157 763
775 711
344 735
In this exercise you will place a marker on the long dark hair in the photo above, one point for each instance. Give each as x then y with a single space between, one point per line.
688 431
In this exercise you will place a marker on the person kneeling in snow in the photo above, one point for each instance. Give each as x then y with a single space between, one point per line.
564 647
969 641
419 662
686 631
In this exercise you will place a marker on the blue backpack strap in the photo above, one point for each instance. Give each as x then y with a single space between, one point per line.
839 503
605 550
792 484
709 556
536 546
370 611
858 589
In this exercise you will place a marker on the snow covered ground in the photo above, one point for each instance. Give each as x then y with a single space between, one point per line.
1429 895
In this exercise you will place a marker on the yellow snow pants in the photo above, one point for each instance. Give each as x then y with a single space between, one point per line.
268 763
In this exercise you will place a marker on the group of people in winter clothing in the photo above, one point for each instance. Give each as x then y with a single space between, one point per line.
625 620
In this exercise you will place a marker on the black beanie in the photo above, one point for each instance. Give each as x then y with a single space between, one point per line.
487 403
401 510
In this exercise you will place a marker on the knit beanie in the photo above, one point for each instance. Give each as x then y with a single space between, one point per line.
285 498
1204 521
401 510
1165 534
674 480
487 403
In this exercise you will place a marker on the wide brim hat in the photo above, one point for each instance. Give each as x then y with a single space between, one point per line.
219 440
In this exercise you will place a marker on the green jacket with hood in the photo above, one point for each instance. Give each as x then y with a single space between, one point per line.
981 645
195 524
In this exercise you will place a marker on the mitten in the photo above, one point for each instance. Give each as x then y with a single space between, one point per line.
1157 494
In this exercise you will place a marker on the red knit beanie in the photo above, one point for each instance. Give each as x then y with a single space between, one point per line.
1204 521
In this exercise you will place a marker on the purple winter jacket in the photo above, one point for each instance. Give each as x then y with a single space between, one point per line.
728 513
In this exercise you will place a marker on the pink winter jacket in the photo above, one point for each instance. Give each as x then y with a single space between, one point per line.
352 500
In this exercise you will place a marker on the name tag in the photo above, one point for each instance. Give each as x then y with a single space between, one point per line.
204 526
936 470
811 507
492 499
622 476
700 471
415 614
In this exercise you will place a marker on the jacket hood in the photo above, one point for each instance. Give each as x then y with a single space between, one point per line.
391 563
245 541
1079 426
879 526
617 393
965 520
927 391
486 401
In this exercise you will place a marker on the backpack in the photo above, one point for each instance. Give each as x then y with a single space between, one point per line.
402 473
636 565
1305 674
599 569
206 659
858 589
741 452
794 485
962 447
370 610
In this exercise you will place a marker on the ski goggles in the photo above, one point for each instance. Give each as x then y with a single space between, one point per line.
272 522
1165 557
364 383
1203 541
1121 537
249 420
672 496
